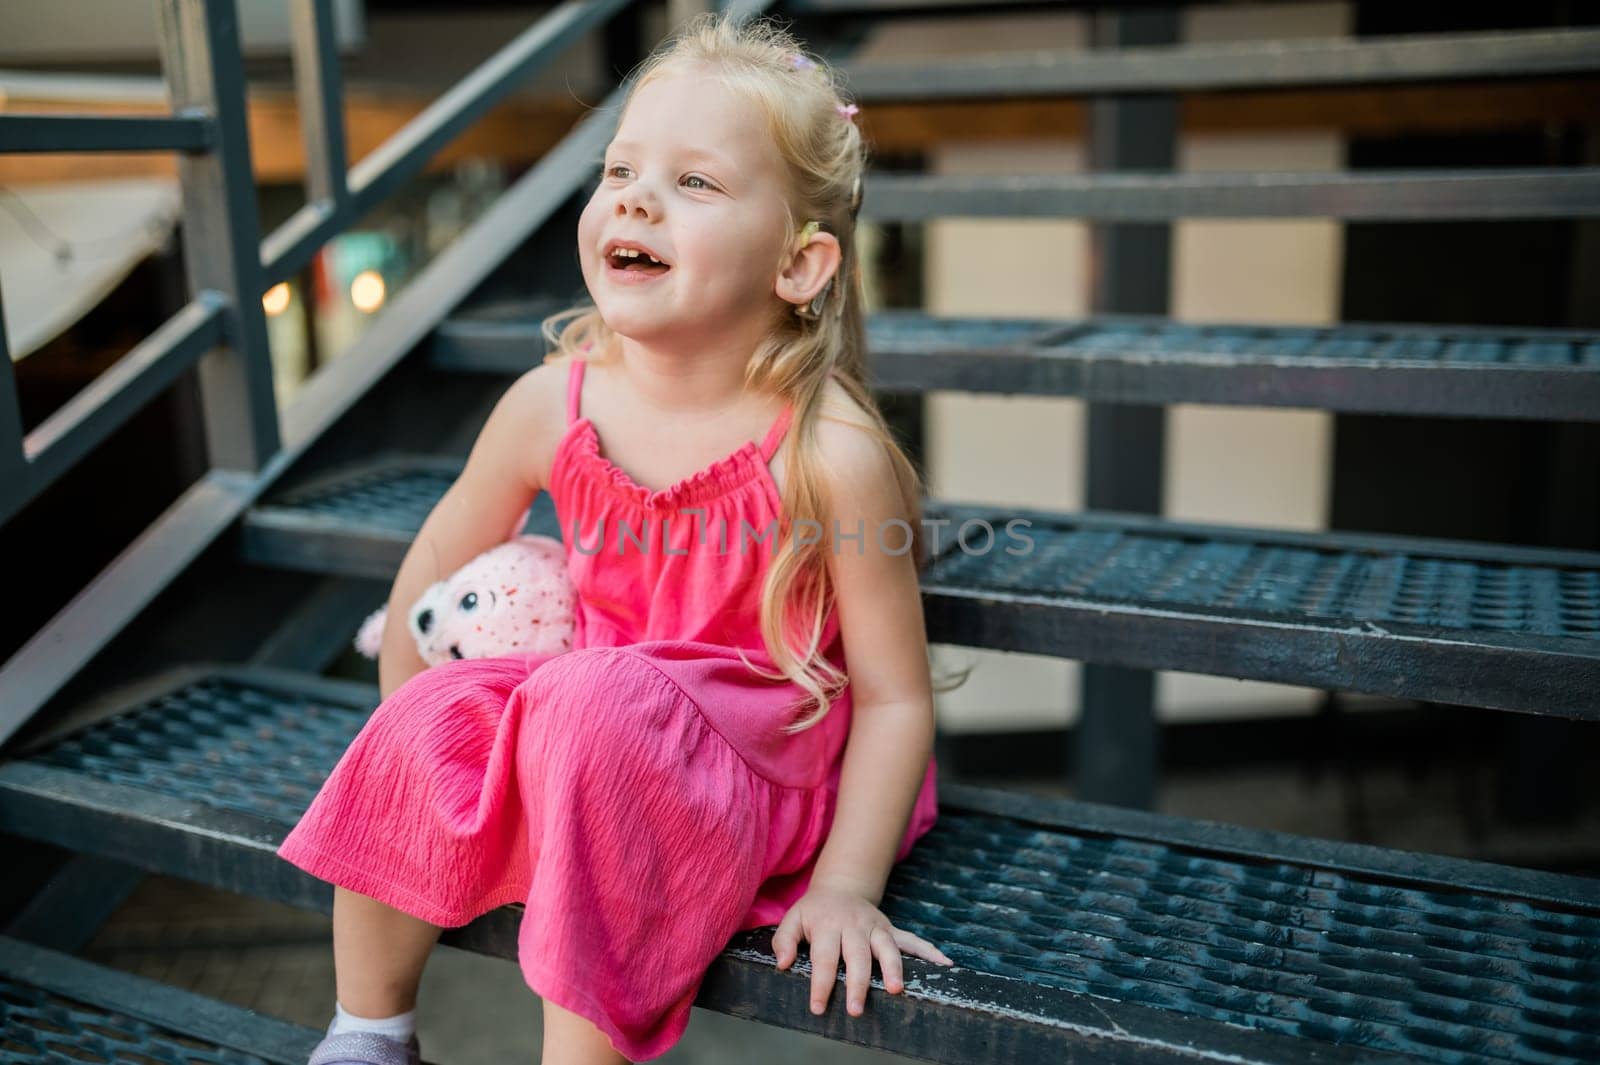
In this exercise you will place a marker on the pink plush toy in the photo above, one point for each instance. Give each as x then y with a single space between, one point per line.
512 599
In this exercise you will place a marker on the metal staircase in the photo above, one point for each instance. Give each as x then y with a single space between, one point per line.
1078 929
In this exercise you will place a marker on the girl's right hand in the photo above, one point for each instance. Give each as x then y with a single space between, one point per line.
840 921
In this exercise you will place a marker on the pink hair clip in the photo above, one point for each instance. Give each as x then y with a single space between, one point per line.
848 111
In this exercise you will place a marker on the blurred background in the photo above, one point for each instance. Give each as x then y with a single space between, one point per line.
91 262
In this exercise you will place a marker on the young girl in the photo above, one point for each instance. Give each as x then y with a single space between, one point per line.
739 525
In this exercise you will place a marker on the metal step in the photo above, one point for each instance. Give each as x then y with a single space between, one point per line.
889 8
1446 621
502 338
58 1008
1074 927
1455 371
358 521
1235 65
1357 196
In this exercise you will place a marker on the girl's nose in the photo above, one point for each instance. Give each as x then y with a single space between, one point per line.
637 201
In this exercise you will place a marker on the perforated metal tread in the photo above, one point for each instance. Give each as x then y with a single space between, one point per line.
1211 66
58 1008
359 519
1149 196
1391 369
1372 368
1076 928
1451 622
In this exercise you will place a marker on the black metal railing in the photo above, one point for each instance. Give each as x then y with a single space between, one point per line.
221 330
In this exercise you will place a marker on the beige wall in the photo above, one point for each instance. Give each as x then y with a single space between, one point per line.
1240 465
1231 465
1013 450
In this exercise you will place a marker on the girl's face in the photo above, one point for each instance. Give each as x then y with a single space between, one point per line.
693 179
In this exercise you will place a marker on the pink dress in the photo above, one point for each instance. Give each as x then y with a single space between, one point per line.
635 793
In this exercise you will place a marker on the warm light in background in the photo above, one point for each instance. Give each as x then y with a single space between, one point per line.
367 291
276 301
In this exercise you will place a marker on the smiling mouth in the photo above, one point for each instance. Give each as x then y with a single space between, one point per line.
633 261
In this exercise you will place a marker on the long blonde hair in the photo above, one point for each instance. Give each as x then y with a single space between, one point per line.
809 118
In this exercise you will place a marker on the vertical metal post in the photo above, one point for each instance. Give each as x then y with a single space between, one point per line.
1116 756
67 912
320 95
13 464
221 229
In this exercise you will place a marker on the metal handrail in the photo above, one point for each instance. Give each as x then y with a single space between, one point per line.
84 421
336 199
105 133
222 329
228 276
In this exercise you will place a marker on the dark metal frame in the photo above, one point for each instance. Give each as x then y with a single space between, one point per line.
1364 368
336 199
950 1016
1251 65
1532 673
95 133
1117 756
222 330
1550 675
1394 196
106 403
250 1035
934 1018
230 268
1059 358
67 911
944 1015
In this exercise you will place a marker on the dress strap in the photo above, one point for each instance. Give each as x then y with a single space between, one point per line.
769 446
574 389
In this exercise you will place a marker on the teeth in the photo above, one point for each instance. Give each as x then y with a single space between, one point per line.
634 253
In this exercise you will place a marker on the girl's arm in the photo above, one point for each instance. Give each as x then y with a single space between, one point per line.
891 730
501 477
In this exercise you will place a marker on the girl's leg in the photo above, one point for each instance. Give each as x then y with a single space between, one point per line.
378 955
573 1040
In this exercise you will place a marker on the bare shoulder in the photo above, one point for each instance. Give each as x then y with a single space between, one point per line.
546 385
857 463
536 405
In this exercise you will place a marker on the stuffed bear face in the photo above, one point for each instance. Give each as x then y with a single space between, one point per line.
512 599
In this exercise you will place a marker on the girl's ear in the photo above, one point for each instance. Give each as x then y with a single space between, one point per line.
808 269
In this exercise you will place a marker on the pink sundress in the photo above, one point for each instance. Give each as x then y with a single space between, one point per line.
635 793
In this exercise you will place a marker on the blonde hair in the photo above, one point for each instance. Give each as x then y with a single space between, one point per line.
808 118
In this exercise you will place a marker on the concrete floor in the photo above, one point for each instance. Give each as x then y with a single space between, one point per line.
475 1010
472 1010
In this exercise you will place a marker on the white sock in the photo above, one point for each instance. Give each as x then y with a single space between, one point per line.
400 1027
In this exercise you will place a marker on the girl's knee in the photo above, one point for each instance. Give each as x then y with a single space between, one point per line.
601 683
463 696
601 703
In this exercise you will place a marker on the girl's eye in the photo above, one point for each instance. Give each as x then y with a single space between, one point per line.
622 171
